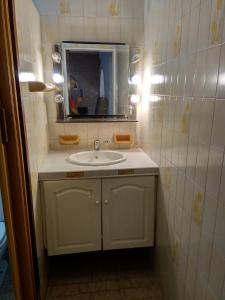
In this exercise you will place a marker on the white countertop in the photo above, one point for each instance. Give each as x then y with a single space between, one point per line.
56 166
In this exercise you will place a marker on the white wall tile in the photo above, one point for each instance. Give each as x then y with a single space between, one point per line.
218 131
50 29
138 32
210 295
103 8
126 33
185 33
205 254
223 294
90 29
90 8
190 74
200 75
188 196
212 69
209 218
201 165
114 30
77 28
221 79
180 190
217 274
127 8
186 6
194 27
223 37
206 121
201 288
192 159
222 185
219 242
214 171
204 25
64 28
77 8
102 29
138 9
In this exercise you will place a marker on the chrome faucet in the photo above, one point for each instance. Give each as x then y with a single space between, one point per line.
97 144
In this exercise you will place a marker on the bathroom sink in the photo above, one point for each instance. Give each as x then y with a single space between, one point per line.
97 158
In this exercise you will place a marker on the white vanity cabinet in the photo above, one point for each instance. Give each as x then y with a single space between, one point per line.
93 214
72 210
128 210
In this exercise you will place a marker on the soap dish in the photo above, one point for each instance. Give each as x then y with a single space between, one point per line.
123 139
69 139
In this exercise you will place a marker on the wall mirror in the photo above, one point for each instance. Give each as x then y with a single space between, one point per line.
95 80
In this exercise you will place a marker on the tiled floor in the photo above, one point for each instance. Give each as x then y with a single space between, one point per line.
117 275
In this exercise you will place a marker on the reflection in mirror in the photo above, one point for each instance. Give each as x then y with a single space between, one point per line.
95 80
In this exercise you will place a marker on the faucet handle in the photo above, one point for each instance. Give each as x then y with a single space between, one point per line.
107 141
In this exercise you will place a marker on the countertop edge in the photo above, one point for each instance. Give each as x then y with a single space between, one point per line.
118 170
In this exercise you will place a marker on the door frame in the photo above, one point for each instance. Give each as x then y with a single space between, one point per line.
14 171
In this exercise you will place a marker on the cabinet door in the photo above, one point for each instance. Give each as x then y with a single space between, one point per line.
73 216
128 212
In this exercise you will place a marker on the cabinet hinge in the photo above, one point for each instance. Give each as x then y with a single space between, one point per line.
3 127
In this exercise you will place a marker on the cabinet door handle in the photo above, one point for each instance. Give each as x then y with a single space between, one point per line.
97 202
106 201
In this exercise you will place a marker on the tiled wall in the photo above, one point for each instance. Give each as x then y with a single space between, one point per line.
35 116
94 21
183 130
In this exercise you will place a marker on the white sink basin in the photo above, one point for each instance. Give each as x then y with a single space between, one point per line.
97 158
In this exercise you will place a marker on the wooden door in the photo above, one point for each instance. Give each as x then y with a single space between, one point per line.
73 215
14 172
128 212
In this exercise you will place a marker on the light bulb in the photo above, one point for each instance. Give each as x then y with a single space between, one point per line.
135 79
58 78
56 57
59 98
135 58
154 98
134 98
156 79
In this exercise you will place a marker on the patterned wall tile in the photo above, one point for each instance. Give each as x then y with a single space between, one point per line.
191 152
87 21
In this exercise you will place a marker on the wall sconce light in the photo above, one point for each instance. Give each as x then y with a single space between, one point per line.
57 78
135 58
26 76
